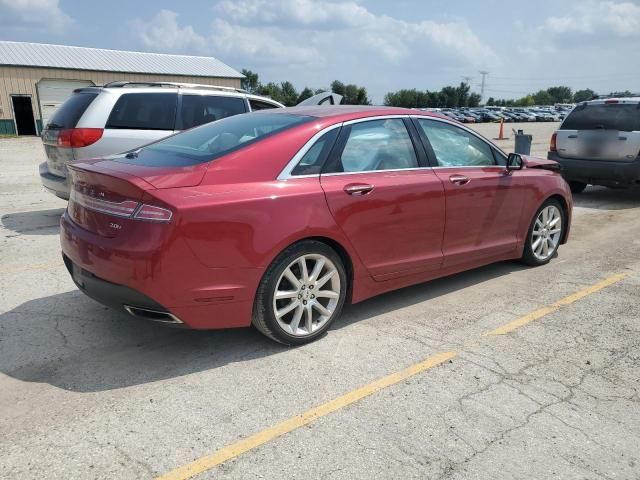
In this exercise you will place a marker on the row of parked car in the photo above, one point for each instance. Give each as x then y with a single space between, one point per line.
498 114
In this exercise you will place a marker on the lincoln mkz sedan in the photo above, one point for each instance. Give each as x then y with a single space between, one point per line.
279 218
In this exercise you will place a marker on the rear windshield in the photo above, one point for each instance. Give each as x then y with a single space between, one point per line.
144 111
69 113
208 142
612 116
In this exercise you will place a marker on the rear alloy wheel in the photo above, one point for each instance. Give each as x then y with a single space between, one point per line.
301 294
577 187
544 234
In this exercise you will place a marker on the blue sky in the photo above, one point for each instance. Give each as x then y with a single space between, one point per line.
383 45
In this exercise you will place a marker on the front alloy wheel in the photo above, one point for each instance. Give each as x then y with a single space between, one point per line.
545 234
301 293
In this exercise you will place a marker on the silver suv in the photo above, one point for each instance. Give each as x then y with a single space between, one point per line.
121 116
598 143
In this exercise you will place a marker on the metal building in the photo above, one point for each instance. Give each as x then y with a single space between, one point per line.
36 78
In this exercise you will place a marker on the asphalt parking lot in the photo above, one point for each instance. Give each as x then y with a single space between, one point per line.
499 373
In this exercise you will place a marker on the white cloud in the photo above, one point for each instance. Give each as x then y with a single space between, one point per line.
292 14
595 18
259 46
163 33
42 15
313 42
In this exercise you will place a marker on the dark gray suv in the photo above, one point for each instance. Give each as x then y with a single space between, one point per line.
599 144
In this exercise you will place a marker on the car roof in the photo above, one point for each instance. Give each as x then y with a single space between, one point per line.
155 87
601 101
343 113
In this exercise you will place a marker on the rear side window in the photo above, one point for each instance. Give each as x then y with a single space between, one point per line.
312 161
144 111
69 113
208 142
258 105
200 109
377 145
613 116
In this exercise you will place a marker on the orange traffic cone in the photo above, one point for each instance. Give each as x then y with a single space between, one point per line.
501 133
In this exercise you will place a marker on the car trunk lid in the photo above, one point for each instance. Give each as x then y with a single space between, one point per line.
106 193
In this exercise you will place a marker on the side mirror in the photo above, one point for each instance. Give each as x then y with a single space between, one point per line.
514 162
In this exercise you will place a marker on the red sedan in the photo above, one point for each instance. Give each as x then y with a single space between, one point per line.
279 217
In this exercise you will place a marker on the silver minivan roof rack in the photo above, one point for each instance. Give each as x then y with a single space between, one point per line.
173 84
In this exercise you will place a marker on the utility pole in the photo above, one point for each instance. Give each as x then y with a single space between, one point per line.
484 73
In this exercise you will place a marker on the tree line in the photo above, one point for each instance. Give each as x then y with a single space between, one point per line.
447 97
550 96
286 93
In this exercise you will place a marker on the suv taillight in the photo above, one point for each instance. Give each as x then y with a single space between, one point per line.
78 137
552 146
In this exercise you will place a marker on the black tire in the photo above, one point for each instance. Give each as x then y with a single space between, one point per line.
528 256
264 317
577 187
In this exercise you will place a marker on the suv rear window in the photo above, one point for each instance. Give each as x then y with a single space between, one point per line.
208 142
613 116
69 113
200 109
144 111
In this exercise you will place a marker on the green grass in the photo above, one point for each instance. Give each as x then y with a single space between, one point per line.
5 135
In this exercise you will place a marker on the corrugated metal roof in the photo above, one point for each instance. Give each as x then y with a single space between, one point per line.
82 58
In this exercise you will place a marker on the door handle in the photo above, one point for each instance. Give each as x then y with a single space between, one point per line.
358 189
459 179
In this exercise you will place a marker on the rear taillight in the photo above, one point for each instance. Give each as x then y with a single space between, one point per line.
118 209
552 145
152 213
125 209
78 137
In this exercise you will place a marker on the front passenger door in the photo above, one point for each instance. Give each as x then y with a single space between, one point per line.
484 201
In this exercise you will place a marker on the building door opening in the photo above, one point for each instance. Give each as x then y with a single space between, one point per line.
23 111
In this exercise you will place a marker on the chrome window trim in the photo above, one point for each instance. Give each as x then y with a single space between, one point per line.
332 174
285 174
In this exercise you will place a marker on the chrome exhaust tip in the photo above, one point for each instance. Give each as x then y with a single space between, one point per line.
153 315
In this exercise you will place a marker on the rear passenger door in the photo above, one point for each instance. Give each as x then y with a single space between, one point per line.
197 109
137 119
385 199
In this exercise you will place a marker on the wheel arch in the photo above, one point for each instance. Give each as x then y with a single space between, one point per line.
339 248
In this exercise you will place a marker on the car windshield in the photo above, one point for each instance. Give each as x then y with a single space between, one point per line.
210 141
609 116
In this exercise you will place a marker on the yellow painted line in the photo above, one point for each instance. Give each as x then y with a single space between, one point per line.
541 312
234 450
207 462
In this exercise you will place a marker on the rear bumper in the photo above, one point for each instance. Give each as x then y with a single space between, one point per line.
59 186
117 296
599 172
164 279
